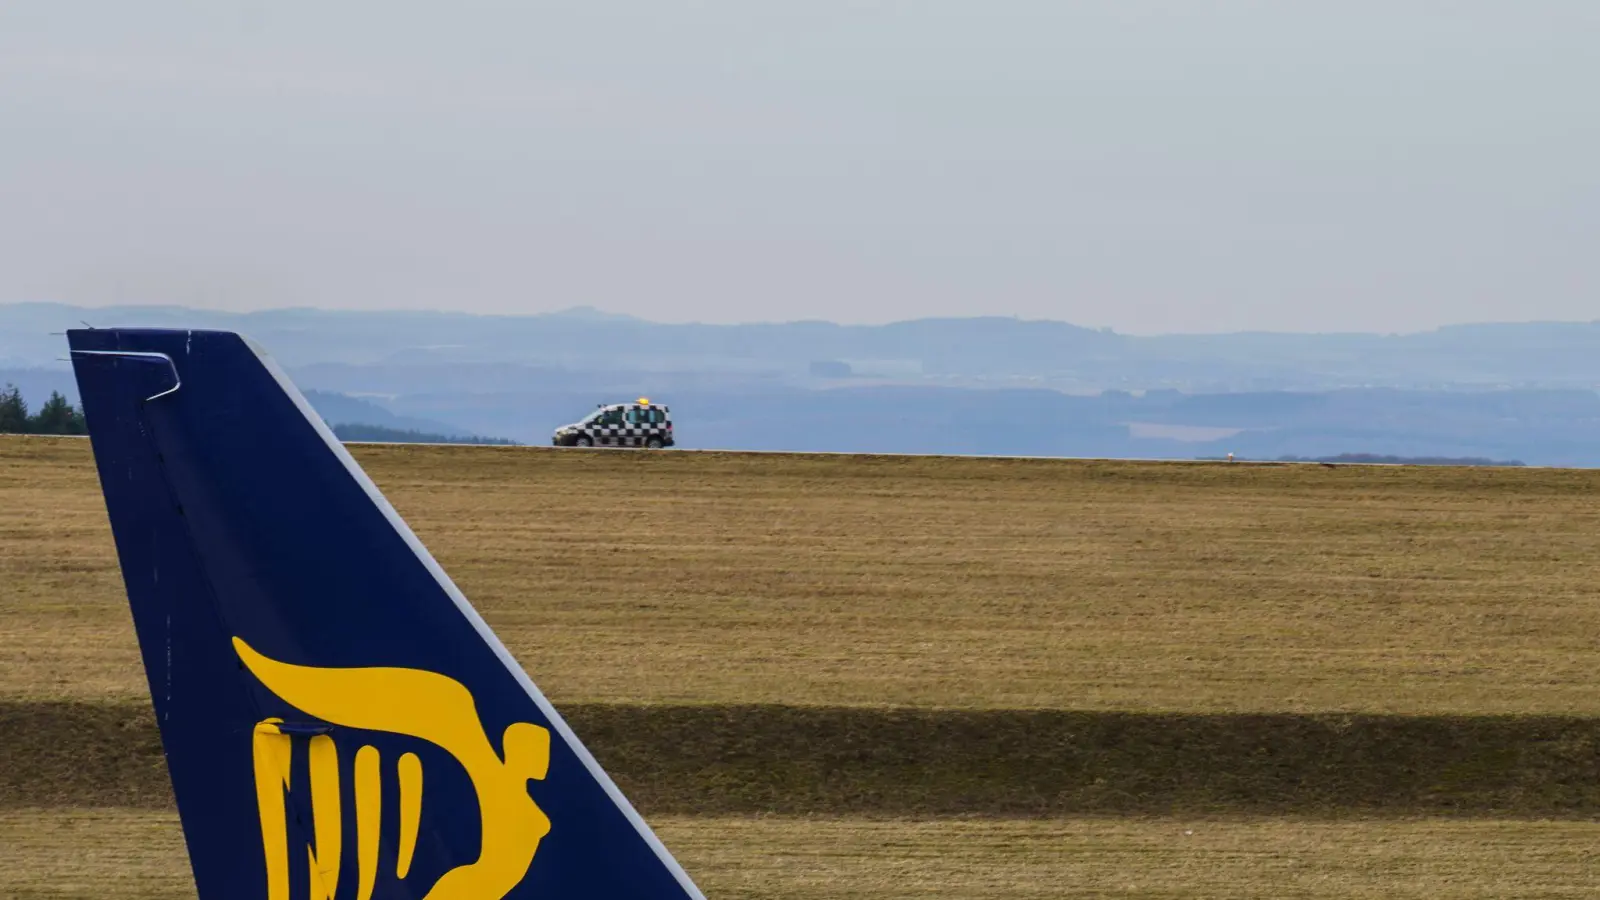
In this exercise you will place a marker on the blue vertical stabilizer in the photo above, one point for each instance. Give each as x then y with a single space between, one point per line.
338 720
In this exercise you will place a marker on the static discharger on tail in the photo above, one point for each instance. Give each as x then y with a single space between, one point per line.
318 681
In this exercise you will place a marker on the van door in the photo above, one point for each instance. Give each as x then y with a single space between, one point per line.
609 427
638 424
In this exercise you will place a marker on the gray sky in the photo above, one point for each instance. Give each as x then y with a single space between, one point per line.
1149 165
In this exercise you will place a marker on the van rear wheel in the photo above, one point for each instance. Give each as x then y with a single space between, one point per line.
654 443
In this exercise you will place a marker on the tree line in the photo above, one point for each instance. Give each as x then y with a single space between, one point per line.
56 416
348 432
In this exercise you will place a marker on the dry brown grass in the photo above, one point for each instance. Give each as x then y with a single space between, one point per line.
854 761
129 855
727 579
724 578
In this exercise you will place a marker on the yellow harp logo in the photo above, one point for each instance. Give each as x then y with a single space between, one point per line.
419 704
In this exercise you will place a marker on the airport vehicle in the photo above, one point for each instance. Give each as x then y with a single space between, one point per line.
338 721
642 424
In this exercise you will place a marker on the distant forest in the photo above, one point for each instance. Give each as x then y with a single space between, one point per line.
56 416
380 434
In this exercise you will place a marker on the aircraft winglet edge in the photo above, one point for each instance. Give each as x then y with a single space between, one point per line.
338 721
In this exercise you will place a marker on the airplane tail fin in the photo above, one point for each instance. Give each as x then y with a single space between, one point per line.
338 721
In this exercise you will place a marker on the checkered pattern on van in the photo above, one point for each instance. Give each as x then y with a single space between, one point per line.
625 433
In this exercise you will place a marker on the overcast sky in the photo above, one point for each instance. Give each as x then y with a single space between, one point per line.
1148 165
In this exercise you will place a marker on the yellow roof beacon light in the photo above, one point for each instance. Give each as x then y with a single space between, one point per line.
644 401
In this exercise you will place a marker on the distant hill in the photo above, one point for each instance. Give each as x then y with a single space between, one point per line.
984 385
981 351
379 434
335 407
37 382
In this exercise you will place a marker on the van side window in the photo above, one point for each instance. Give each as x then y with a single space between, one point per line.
657 417
636 417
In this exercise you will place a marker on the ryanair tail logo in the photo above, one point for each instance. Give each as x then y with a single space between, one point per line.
424 705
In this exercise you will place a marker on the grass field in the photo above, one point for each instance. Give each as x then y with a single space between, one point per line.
672 577
1294 662
141 855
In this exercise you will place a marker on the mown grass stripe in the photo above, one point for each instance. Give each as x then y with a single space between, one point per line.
702 760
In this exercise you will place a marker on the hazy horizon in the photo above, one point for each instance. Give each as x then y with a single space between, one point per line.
647 318
1153 166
